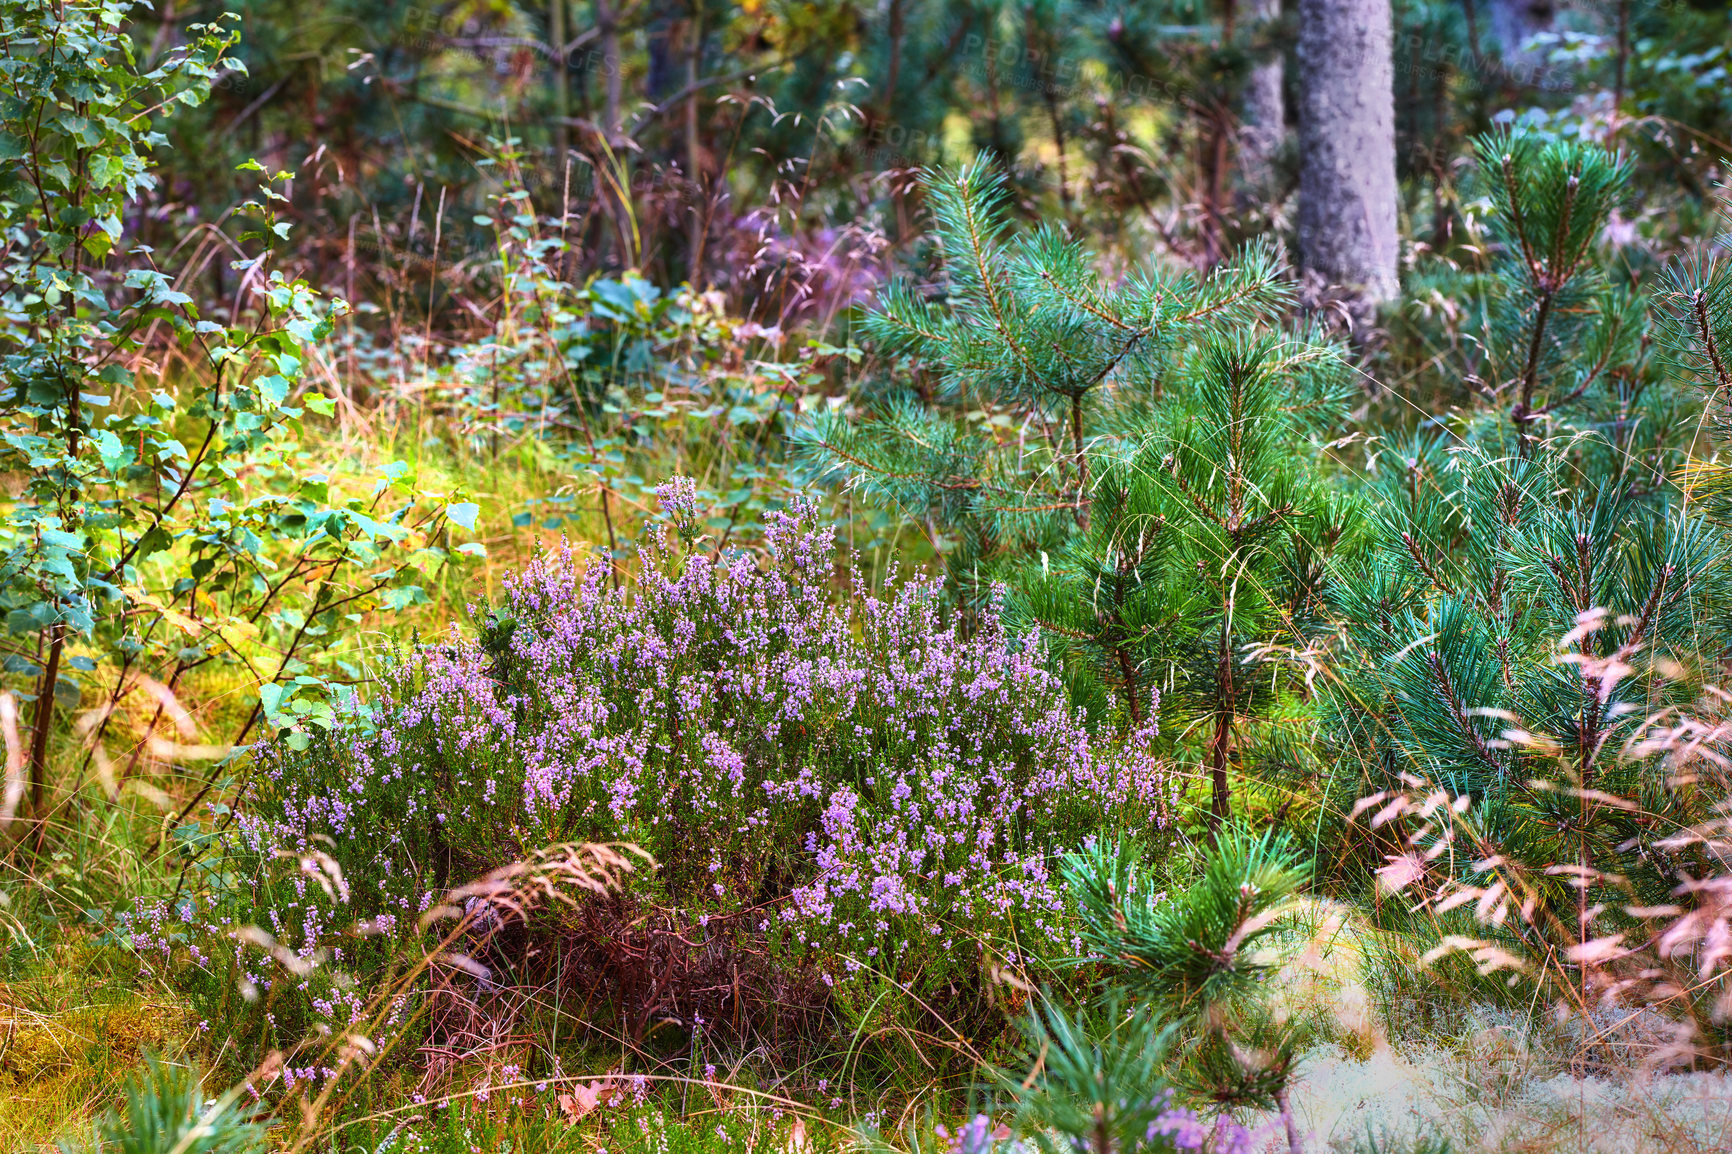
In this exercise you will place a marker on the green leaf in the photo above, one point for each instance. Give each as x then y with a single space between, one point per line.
67 692
155 540
464 514
274 389
112 450
403 596
63 540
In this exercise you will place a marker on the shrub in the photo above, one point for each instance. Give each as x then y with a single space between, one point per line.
1196 958
853 785
163 514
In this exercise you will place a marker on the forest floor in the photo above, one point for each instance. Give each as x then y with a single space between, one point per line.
76 1023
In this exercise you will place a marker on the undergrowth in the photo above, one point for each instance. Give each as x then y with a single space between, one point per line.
550 707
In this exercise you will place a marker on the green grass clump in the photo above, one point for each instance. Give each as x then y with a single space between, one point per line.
74 1025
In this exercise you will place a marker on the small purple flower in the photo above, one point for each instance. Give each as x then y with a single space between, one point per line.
1181 1129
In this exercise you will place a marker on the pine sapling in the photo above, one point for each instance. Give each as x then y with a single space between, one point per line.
1192 956
1247 509
1555 328
1038 366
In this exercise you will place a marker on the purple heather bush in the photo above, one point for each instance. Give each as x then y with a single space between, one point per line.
860 783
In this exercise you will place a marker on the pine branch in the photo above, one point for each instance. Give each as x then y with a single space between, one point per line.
1560 271
1607 352
1446 689
1521 414
977 246
1722 375
1093 309
1171 463
966 484
1651 609
1424 563
1512 193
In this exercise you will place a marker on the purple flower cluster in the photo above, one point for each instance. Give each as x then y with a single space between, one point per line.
1174 1128
851 772
976 1136
1179 1128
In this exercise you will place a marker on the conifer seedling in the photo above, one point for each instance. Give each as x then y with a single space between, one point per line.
1136 461
1555 327
1195 958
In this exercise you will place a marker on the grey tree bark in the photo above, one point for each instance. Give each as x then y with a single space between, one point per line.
1511 23
1264 126
1347 189
607 25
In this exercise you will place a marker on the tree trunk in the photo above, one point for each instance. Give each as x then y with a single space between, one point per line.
44 722
1264 113
1347 189
1622 65
606 200
1220 746
660 52
1511 23
695 148
1214 156
1294 1145
607 29
893 71
556 35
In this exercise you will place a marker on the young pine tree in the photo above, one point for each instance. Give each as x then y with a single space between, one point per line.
1514 628
1255 524
1554 330
1194 959
168 1112
1031 370
1530 631
1526 606
1207 547
1098 1083
1133 460
1490 558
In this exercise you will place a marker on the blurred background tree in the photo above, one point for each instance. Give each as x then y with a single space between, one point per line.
736 145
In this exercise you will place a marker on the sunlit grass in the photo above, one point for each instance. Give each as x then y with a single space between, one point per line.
74 1024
